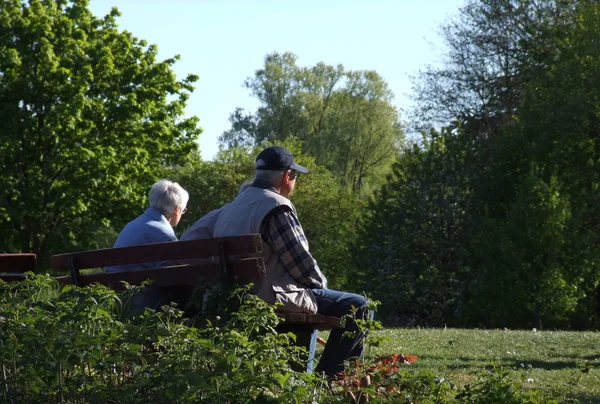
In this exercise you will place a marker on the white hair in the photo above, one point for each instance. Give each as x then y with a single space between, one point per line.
166 195
271 176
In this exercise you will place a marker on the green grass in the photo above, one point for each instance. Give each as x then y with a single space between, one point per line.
553 361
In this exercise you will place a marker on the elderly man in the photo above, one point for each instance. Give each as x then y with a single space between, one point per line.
168 202
293 276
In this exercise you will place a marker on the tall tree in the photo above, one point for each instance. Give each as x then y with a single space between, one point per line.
540 181
87 118
527 269
345 119
521 80
493 48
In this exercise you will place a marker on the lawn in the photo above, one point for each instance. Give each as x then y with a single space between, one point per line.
563 362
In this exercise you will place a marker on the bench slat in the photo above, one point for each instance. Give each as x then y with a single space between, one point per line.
244 261
246 270
17 262
170 251
305 320
12 277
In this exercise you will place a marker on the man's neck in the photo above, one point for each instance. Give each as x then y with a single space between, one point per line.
258 183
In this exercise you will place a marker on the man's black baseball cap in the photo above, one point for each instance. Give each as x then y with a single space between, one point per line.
277 158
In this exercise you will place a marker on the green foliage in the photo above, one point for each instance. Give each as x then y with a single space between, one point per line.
345 119
88 116
83 345
532 242
560 122
494 220
537 224
498 385
79 345
414 257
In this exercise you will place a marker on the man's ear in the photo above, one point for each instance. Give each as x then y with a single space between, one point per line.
286 176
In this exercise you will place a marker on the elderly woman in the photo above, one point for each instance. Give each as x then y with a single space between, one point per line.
168 202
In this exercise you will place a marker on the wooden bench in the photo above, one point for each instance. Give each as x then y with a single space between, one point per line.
14 266
231 259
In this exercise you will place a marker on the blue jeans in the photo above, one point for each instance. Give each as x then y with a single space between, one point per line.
338 348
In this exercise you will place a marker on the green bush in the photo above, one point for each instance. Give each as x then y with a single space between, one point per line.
83 345
79 345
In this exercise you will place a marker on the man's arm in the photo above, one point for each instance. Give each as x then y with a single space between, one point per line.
283 232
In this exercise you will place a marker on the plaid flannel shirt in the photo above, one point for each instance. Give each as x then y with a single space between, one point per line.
283 232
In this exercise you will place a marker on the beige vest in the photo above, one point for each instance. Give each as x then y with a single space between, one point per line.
244 216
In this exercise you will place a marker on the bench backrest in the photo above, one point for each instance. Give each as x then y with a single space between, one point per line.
12 266
236 258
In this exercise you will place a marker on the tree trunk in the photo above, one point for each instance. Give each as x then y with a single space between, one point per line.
537 323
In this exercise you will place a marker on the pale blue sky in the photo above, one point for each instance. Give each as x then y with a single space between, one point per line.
225 41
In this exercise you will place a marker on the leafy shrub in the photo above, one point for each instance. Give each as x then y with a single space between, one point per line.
79 345
83 345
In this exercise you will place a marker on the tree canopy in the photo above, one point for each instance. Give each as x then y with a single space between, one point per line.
493 220
88 115
345 119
